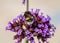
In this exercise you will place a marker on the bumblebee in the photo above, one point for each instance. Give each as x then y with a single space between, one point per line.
28 16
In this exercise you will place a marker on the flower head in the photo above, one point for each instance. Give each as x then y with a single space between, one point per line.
39 26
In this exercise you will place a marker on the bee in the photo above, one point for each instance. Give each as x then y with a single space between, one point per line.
28 16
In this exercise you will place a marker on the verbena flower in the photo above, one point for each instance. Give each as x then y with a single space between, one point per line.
40 27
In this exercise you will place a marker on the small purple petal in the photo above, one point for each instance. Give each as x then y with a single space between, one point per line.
27 32
49 35
18 38
40 25
28 37
20 16
43 34
46 26
12 30
8 28
41 16
16 28
19 32
32 12
32 41
31 35
36 29
45 30
37 10
23 2
43 19
40 31
15 19
9 24
48 18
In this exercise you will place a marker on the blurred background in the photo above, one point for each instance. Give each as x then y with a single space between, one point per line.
10 9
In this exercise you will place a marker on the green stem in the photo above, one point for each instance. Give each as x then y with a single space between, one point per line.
27 5
26 41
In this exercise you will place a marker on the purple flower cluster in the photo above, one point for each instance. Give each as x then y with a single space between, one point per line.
41 27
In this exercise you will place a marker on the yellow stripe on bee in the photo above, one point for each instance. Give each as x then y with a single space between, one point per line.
27 18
